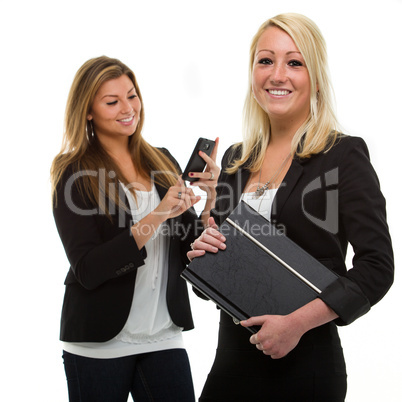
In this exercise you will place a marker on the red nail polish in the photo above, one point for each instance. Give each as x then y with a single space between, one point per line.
191 174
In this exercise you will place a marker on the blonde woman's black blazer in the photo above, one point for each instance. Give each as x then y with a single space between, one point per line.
104 259
324 203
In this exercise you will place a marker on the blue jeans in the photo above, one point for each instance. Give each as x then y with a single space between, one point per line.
162 376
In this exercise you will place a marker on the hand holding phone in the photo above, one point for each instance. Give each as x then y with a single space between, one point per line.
196 163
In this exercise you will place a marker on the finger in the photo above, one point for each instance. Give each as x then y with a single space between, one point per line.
180 182
206 157
254 339
194 254
211 223
259 320
209 243
205 176
181 192
189 191
210 231
189 198
195 199
209 246
211 160
215 150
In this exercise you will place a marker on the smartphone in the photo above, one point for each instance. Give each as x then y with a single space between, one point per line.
196 163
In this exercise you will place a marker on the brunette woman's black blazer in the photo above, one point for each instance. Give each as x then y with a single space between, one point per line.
104 259
323 203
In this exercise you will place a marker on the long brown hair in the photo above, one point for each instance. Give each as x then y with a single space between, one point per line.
82 150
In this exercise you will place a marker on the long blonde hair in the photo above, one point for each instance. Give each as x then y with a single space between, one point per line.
82 150
320 130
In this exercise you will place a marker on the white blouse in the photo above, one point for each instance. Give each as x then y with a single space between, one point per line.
262 204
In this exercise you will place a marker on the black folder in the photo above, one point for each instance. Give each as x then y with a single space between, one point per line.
260 272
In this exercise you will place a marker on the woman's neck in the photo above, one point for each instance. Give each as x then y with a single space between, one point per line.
117 148
281 140
284 129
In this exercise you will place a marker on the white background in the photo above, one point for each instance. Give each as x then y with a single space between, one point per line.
190 59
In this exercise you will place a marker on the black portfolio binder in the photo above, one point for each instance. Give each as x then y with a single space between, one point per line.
261 271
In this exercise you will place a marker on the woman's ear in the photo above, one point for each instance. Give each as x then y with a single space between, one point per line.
89 117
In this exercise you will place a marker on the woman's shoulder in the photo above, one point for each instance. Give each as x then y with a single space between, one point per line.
167 153
345 142
343 146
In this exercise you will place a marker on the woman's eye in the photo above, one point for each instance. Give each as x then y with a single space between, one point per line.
265 61
111 103
132 96
295 63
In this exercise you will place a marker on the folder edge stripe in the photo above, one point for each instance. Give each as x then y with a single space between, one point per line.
287 266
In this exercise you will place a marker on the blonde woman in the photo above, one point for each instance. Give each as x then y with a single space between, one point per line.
126 220
299 171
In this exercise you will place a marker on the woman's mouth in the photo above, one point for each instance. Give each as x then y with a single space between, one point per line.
127 121
278 92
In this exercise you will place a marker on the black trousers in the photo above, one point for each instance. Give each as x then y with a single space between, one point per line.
162 376
313 372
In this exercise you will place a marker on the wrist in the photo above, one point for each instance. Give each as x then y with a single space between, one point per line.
158 217
298 323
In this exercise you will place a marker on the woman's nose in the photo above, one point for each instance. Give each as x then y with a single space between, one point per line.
278 74
126 107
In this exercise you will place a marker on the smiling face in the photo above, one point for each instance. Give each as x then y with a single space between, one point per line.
116 109
280 78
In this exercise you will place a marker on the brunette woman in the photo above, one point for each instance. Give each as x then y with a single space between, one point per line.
126 220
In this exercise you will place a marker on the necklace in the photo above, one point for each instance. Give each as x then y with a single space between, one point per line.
261 190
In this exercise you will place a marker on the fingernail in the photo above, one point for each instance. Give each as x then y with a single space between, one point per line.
191 174
222 246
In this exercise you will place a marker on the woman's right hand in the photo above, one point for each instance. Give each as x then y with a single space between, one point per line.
211 240
177 200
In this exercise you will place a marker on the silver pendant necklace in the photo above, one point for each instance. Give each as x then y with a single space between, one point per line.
261 190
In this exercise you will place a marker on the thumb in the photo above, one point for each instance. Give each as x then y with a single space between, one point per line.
253 321
211 223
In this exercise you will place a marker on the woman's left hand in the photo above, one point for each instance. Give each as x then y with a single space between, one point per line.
209 178
277 336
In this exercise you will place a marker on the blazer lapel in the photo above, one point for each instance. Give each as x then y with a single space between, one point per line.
289 182
242 179
229 196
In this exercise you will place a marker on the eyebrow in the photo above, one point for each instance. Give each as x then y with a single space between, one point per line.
271 51
116 96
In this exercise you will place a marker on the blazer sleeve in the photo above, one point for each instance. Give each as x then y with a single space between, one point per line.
362 216
98 250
